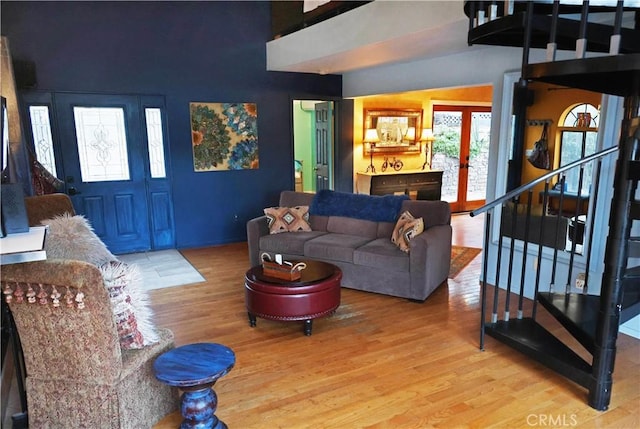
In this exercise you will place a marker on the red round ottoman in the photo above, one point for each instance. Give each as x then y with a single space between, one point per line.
315 294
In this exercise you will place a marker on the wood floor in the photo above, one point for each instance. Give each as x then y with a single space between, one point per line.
380 362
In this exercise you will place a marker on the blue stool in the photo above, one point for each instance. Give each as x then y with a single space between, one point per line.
195 368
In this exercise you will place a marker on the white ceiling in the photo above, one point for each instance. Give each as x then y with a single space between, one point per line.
378 33
388 32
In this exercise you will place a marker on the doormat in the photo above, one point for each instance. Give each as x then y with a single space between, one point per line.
460 258
163 268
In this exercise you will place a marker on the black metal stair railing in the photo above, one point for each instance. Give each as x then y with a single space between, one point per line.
521 234
550 231
592 319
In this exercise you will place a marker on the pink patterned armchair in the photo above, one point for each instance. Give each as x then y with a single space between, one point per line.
77 373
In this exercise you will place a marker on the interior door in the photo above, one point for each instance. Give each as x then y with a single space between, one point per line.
104 166
460 149
324 144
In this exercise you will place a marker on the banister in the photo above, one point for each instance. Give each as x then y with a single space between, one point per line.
517 191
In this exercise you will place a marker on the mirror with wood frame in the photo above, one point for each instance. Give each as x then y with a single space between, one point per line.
392 130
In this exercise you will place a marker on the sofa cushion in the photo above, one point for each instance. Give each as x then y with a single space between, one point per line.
287 219
318 223
406 228
381 253
347 225
334 247
385 229
287 243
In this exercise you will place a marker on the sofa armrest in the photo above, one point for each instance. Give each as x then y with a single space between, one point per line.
256 228
430 259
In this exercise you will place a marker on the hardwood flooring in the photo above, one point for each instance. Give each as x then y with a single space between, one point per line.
379 361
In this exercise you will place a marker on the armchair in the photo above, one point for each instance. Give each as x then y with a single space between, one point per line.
41 207
77 373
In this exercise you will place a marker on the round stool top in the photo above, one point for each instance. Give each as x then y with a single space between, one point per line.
194 364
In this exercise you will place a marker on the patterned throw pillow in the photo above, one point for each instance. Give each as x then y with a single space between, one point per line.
287 219
130 303
406 228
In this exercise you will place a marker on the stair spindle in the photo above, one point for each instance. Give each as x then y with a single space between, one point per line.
514 221
614 43
523 263
545 201
581 43
552 46
494 313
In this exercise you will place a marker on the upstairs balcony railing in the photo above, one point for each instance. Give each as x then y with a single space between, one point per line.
290 16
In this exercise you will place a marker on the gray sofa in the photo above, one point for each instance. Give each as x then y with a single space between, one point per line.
363 249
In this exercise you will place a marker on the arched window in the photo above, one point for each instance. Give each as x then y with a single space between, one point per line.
578 133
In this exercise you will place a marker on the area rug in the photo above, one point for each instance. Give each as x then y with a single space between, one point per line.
163 268
460 258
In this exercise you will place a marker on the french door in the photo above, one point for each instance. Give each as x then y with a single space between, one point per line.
106 149
461 151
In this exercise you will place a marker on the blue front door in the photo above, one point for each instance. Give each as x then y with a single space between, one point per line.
105 156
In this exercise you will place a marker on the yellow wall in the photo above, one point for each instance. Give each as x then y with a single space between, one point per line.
550 102
410 100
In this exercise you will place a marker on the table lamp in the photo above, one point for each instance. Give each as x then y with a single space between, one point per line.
371 138
427 137
411 134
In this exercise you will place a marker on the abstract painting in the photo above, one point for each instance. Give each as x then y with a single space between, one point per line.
224 136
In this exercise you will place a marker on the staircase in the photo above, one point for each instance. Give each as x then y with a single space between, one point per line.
593 320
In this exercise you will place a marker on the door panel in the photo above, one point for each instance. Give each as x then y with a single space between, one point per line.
324 145
161 219
113 198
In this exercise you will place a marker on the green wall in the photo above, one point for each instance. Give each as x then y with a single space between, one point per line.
303 140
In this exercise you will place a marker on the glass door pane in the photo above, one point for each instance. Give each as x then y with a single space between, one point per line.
102 143
42 137
447 130
478 156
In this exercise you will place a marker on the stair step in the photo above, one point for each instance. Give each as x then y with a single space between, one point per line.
530 338
578 313
634 210
509 31
634 170
633 248
632 273
630 303
598 74
630 294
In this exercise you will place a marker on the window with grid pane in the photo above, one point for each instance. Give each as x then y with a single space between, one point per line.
578 135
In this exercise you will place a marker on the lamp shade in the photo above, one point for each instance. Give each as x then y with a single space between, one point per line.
371 136
411 134
427 135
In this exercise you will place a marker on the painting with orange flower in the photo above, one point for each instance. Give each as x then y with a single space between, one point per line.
224 136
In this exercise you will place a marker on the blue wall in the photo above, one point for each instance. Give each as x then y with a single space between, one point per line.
187 51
